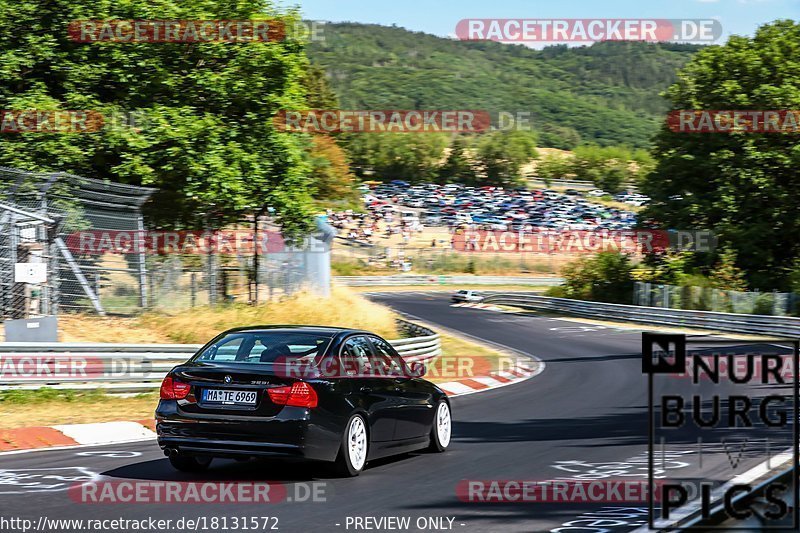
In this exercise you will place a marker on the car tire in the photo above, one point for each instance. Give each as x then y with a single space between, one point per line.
188 463
354 448
442 427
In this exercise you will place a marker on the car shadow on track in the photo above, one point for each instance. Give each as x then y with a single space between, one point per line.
230 470
587 359
629 426
519 516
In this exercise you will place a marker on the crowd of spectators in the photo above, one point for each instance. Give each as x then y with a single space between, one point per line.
398 208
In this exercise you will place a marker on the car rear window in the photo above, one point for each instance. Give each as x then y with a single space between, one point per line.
264 348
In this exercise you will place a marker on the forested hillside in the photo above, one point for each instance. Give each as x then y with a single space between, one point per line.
607 93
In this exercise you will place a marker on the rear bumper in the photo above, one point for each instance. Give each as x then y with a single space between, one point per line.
293 432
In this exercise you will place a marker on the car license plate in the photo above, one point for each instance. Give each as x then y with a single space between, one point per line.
229 397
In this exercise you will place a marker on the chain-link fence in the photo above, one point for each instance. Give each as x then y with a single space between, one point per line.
24 240
100 257
711 299
46 211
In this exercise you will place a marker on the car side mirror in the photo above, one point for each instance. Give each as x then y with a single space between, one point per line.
417 369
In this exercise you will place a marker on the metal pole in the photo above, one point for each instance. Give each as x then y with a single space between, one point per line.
55 282
194 288
212 276
140 244
97 283
15 287
256 246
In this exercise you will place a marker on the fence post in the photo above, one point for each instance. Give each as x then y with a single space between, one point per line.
256 247
151 290
194 289
55 278
142 264
212 277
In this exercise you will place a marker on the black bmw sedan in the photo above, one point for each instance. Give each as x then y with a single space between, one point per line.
338 395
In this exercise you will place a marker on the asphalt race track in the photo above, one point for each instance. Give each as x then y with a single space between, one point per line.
586 411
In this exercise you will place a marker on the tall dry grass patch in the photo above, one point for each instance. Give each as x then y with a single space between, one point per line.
343 308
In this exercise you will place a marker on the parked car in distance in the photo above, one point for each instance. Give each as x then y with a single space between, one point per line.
336 395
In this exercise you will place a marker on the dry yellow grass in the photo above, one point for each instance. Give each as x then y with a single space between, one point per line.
343 308
93 328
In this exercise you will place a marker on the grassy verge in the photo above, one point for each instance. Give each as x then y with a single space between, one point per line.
48 407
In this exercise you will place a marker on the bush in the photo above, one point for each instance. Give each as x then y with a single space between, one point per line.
605 277
765 304
556 292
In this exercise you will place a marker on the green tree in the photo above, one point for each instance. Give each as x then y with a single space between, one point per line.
744 186
458 166
329 170
319 94
671 268
500 156
553 167
604 277
330 173
204 135
726 275
608 167
643 163
413 157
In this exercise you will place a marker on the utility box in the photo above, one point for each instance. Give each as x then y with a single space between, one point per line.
42 329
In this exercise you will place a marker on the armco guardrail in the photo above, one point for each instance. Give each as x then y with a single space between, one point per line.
128 368
755 324
415 279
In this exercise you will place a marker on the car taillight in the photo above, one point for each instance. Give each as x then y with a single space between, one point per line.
300 394
172 389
